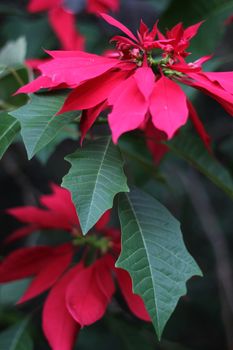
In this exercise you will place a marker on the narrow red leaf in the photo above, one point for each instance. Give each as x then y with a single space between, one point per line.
54 266
199 126
88 118
70 38
29 262
113 22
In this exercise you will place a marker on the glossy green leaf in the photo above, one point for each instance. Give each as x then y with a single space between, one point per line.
191 149
154 254
9 128
16 338
70 132
39 122
95 177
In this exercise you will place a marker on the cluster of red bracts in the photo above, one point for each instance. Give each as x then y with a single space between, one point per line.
79 291
140 83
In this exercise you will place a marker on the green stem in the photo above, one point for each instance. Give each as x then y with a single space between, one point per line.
16 75
94 242
6 106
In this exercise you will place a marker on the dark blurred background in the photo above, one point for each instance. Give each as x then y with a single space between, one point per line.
203 319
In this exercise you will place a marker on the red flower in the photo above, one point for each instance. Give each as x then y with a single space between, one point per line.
179 39
140 83
61 17
57 212
79 293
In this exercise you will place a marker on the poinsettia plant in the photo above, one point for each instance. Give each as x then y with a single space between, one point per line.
106 239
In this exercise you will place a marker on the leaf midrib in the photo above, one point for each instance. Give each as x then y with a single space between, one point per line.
18 335
96 183
8 129
150 267
47 125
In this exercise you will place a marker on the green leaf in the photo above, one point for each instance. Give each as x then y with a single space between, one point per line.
191 149
11 292
13 53
70 132
16 338
154 254
95 177
9 128
39 122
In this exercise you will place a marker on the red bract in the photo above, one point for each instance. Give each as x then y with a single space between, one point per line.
57 212
62 20
154 140
79 293
96 6
140 84
179 39
92 6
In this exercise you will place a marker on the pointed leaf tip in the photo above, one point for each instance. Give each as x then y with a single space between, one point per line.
39 122
154 254
95 177
9 128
